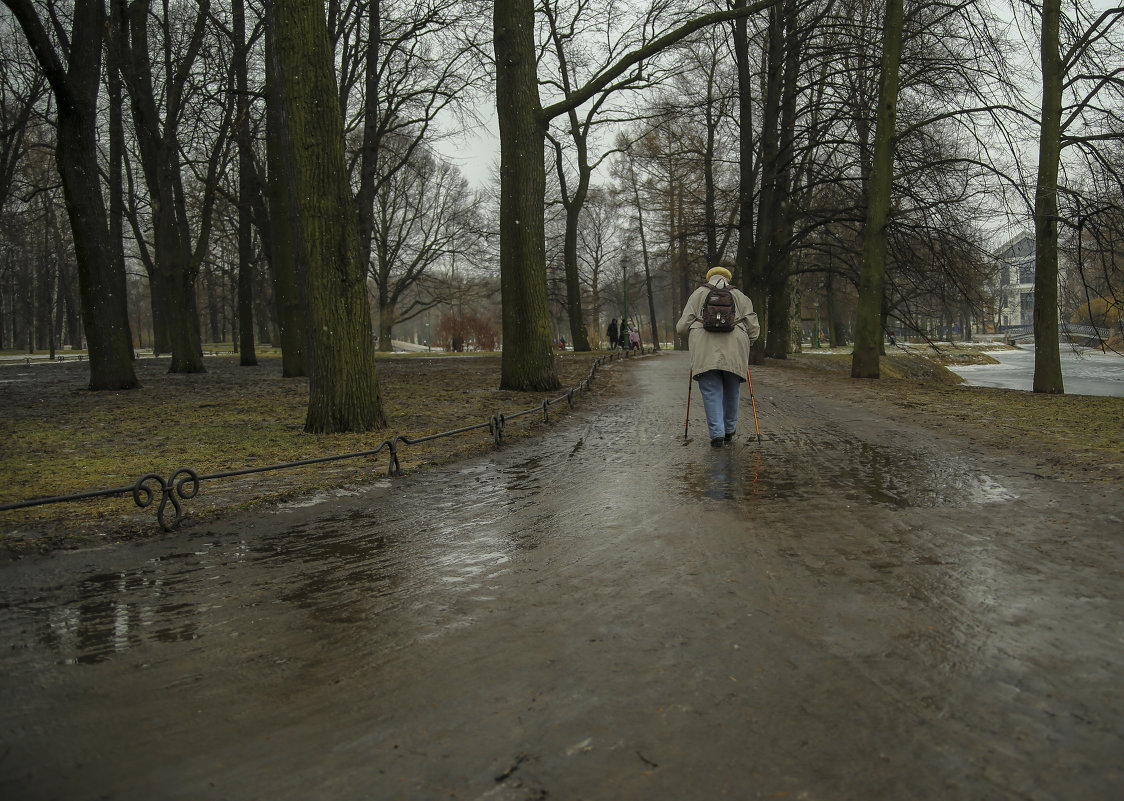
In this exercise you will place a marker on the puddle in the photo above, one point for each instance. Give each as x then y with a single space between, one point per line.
414 558
321 497
362 561
862 472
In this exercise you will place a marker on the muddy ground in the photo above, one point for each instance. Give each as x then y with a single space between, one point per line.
56 438
866 604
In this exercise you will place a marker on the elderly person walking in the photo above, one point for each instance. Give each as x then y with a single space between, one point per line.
719 359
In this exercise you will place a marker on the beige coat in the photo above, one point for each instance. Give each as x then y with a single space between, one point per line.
712 350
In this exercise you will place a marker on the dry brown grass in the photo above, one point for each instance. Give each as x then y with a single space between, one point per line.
1074 436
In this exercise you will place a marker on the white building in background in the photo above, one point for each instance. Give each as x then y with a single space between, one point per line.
1016 281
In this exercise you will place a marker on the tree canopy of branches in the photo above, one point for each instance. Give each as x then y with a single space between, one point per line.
768 136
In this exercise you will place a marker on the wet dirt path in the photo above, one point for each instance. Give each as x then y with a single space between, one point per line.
852 608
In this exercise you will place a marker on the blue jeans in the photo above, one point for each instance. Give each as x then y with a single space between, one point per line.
721 391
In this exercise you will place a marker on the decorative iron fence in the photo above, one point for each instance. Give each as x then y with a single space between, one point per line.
183 484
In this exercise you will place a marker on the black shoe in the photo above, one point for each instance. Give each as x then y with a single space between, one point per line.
730 436
717 442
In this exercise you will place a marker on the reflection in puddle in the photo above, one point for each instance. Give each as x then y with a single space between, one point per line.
444 541
914 479
865 473
115 612
725 475
406 562
324 496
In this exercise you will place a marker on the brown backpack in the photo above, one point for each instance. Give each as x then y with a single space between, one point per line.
718 310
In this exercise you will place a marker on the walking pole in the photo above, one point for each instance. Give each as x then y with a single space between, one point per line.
690 377
753 402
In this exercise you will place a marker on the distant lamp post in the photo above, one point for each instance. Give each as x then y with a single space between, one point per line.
428 337
816 327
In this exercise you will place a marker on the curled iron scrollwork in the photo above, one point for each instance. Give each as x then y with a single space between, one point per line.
177 484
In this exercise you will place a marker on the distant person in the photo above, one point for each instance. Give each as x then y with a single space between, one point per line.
719 359
634 339
612 332
623 339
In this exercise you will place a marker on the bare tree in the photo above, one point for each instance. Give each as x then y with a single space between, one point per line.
71 60
413 63
425 215
583 39
161 106
1077 84
528 359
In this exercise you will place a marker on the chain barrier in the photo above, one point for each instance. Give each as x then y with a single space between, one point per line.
183 484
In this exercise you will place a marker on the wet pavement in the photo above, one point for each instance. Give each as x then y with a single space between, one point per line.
853 608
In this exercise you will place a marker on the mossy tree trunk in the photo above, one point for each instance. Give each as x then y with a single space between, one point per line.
282 253
528 358
872 272
343 387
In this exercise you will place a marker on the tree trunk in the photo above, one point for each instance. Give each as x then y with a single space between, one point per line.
343 387
246 183
644 254
574 206
118 37
1047 347
101 279
71 312
528 358
779 338
44 286
872 273
758 280
710 215
161 331
386 323
282 217
745 275
680 278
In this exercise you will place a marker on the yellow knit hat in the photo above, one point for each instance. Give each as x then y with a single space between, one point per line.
722 271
